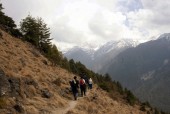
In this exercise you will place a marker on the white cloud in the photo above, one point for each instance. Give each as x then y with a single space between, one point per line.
79 22
107 24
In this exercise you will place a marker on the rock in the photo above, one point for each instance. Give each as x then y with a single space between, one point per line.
19 108
4 84
46 93
29 81
23 87
14 86
45 62
65 92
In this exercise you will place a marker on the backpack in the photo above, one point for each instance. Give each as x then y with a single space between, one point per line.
74 83
82 82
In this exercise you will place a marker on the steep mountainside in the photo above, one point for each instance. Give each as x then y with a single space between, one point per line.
97 59
30 84
145 70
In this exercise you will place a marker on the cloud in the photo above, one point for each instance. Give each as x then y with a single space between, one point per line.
92 22
107 24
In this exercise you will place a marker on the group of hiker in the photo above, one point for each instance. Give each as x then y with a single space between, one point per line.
83 84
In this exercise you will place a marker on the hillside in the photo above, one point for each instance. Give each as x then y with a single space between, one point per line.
145 70
31 85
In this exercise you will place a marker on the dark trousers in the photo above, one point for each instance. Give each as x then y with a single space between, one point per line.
75 93
83 89
90 86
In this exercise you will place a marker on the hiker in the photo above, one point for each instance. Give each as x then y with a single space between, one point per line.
82 86
74 87
86 81
90 83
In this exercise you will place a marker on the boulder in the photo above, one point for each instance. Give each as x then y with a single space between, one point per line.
4 84
19 108
14 86
46 93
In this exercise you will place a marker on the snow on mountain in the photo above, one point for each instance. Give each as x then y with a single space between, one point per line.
106 48
94 58
165 36
112 45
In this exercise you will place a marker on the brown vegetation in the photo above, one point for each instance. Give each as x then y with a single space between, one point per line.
43 88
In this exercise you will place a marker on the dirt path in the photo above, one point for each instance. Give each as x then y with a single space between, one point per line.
71 105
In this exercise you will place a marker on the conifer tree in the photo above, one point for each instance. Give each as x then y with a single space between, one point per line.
44 34
73 66
29 29
7 23
36 32
1 7
54 55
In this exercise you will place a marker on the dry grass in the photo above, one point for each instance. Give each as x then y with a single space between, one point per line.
18 59
3 102
22 60
98 102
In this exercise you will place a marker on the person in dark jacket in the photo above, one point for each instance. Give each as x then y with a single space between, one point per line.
74 87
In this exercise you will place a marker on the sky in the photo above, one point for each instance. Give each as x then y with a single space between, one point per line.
90 23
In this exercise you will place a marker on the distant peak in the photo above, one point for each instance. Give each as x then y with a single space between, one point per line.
165 36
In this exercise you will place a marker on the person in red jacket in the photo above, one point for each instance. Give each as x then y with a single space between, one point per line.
82 86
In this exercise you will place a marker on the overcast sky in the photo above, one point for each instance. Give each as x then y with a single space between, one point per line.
93 22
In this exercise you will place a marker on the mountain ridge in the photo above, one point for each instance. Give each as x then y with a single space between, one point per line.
145 68
93 58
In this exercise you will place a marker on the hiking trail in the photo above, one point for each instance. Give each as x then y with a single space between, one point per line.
71 105
64 110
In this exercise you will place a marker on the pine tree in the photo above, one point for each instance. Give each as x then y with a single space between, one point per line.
36 32
1 7
65 64
7 23
54 55
73 66
29 29
44 34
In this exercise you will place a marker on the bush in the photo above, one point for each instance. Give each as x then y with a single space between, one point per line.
146 104
130 98
142 108
104 86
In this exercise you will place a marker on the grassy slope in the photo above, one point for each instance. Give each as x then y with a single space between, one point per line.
20 59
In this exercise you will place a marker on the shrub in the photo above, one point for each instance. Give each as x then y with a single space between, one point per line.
142 108
104 86
130 98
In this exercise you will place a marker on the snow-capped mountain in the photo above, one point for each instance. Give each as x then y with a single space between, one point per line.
165 36
96 59
113 45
